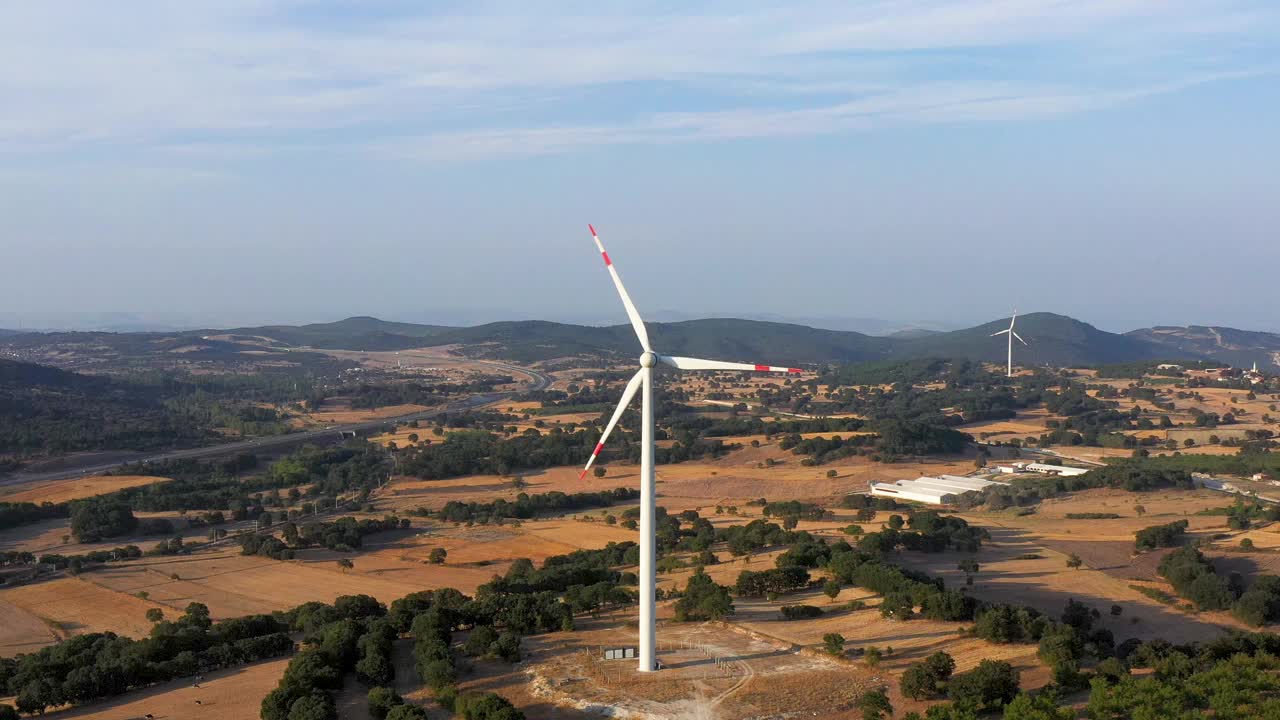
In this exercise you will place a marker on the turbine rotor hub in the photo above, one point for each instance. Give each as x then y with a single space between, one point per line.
648 360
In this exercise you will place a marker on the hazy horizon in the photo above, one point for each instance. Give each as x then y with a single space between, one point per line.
160 322
936 165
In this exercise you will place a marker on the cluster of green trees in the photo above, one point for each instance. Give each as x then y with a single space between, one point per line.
1248 461
97 665
84 561
794 508
44 410
416 392
903 590
800 612
771 582
21 513
757 534
530 506
1193 577
344 535
1158 536
929 532
907 372
1234 676
101 518
352 634
893 438
560 572
734 426
1131 475
703 599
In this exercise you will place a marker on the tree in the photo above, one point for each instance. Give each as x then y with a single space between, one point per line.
831 589
155 615
924 679
833 643
918 683
831 473
36 695
1140 510
8 713
1074 562
438 555
872 656
599 471
382 700
874 705
316 706
345 564
703 599
1043 706
989 686
407 712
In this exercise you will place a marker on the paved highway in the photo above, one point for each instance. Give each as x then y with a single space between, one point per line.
540 381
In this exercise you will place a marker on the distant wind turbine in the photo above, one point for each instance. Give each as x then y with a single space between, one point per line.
643 379
1009 331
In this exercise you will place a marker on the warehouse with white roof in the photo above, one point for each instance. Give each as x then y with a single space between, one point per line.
931 490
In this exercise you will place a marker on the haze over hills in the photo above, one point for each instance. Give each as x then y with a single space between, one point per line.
1053 339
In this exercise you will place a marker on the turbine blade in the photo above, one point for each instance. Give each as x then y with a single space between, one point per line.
627 396
685 363
632 313
1024 342
1002 332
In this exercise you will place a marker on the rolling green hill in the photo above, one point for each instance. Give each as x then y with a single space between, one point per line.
1054 339
1051 339
354 333
1240 348
44 409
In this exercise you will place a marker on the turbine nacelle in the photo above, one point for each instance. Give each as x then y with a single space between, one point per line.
648 359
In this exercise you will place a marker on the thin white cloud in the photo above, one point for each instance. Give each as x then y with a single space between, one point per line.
508 77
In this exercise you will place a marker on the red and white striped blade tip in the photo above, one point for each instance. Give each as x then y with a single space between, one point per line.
592 229
770 368
582 475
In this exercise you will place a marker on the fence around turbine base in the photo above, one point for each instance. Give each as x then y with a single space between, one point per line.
611 669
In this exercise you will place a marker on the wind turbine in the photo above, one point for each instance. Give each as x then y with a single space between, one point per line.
643 380
1009 331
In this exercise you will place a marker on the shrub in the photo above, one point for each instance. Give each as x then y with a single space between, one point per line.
987 687
381 700
800 612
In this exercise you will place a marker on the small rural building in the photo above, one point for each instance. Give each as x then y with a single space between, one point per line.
931 490
1063 470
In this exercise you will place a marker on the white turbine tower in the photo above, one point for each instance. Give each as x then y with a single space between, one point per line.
643 379
1009 331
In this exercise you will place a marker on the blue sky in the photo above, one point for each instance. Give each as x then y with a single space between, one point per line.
925 162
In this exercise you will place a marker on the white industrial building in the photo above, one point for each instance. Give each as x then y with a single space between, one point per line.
1042 468
1055 469
931 490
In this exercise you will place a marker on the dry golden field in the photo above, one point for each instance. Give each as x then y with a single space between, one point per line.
58 491
232 694
41 613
